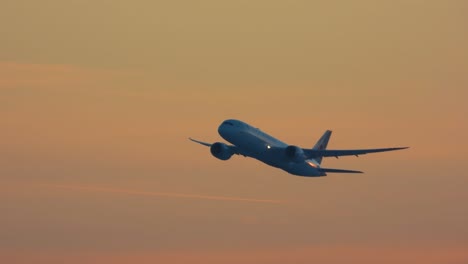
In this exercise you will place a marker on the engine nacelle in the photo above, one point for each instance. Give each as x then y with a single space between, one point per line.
294 153
221 151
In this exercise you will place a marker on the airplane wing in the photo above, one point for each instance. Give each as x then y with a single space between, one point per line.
234 149
338 170
200 142
311 153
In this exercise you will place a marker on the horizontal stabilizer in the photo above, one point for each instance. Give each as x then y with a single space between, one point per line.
339 171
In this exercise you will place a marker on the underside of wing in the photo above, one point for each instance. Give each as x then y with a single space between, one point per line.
311 153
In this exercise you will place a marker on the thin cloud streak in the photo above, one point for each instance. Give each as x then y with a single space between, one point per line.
163 194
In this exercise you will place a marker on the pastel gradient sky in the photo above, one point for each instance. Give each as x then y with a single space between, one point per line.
97 99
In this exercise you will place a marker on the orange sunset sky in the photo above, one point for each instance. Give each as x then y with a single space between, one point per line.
98 98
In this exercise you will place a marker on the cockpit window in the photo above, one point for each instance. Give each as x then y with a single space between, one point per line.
228 123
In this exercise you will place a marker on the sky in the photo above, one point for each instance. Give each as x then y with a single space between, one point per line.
98 98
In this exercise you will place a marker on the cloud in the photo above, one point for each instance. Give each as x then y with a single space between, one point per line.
326 254
45 77
16 75
164 194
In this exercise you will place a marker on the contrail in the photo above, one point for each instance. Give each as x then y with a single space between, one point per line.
164 194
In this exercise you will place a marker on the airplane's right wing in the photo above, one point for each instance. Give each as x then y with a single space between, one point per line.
311 153
234 149
201 142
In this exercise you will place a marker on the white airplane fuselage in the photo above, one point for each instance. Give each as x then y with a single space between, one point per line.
259 145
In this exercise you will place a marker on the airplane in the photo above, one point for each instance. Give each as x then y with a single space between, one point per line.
249 141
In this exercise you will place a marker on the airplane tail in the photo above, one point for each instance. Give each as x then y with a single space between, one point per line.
322 144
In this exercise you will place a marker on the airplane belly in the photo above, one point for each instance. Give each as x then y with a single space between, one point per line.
302 169
249 143
256 148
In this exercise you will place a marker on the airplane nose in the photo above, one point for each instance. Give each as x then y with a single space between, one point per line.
221 130
228 129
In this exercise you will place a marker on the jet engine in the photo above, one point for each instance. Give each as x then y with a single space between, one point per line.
221 151
294 153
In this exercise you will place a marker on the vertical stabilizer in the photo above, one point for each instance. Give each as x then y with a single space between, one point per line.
322 144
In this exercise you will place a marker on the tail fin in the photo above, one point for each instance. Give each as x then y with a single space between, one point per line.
322 144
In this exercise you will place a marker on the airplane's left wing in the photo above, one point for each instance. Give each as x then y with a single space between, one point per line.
311 153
